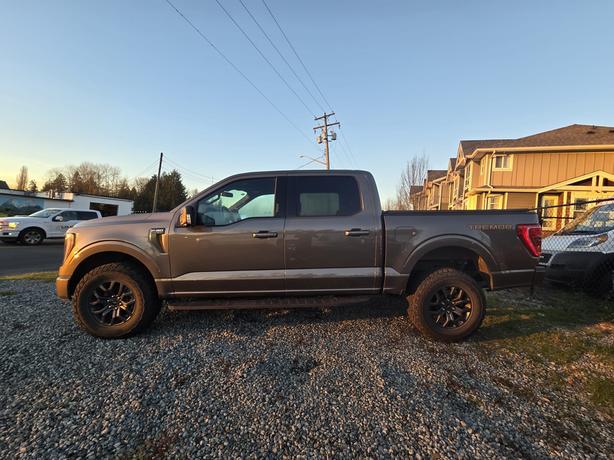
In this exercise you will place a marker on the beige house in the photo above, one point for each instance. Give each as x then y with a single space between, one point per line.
571 165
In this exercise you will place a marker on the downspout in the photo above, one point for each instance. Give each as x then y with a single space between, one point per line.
489 178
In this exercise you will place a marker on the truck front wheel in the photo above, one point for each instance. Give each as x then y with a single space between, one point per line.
31 236
114 300
448 305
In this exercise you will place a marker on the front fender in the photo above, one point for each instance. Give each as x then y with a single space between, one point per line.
149 260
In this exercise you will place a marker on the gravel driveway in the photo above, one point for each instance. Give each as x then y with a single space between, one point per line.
345 382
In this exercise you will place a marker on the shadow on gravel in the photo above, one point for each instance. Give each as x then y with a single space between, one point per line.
255 322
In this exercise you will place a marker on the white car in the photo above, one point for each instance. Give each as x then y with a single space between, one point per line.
582 253
46 223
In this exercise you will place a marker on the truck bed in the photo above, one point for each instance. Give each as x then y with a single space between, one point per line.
491 235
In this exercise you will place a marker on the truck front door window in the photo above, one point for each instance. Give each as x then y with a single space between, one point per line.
240 200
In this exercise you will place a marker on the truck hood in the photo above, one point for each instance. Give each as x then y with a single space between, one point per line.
22 219
157 218
559 243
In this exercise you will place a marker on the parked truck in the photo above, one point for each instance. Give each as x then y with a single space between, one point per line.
295 238
47 223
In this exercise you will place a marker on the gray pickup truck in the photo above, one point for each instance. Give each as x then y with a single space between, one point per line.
295 238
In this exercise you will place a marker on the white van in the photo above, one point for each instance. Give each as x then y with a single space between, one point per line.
46 223
582 253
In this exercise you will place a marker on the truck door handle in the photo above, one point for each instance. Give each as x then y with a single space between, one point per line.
356 232
264 234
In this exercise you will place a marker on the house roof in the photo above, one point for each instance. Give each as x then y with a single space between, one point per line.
415 189
4 185
469 146
433 174
452 163
568 135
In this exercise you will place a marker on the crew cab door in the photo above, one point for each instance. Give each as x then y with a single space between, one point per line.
236 244
331 239
62 222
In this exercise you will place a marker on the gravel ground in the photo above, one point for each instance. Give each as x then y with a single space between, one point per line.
345 382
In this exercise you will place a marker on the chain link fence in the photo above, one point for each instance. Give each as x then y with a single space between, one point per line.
578 245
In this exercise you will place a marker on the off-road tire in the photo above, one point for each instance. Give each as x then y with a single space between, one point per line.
146 308
418 305
25 239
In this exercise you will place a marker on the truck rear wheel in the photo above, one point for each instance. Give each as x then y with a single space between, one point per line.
114 300
448 305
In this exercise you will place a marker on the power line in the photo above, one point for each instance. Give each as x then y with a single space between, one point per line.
300 80
297 55
308 74
143 171
229 62
313 160
347 144
263 56
189 171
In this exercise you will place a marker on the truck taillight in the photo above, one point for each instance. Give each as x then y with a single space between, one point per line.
531 236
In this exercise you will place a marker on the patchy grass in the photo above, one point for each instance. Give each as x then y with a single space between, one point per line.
602 393
34 276
569 329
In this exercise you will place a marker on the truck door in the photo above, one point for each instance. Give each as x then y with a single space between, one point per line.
236 245
330 238
62 222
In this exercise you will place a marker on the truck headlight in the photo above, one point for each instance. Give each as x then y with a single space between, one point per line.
588 242
69 244
13 224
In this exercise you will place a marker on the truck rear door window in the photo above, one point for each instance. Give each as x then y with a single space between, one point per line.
85 215
312 196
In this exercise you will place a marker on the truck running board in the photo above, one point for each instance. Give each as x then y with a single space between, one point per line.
266 302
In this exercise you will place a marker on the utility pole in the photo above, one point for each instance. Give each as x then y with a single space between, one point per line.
157 183
324 137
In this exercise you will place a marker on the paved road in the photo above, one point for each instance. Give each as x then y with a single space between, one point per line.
16 259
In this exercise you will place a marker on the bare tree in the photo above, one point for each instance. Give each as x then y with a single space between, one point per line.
22 178
413 174
390 204
192 192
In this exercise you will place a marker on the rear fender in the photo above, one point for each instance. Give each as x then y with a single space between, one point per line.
454 241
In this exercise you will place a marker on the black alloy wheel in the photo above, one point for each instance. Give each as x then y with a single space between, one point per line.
111 303
450 307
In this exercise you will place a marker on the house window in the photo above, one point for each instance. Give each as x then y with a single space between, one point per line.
579 207
502 162
467 176
494 202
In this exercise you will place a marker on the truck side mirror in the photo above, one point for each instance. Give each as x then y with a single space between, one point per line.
187 217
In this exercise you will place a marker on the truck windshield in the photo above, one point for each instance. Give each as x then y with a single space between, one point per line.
44 213
600 219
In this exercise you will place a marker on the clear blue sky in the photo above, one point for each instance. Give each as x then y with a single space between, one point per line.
117 82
